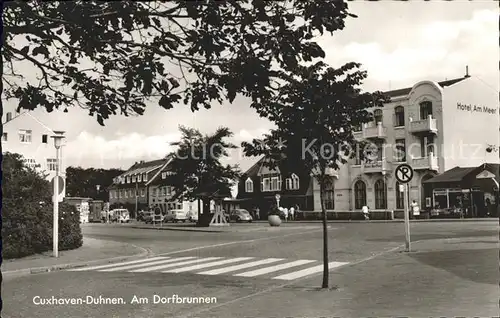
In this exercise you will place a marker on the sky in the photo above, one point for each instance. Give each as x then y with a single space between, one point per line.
397 43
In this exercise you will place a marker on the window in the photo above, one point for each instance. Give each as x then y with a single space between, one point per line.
164 191
25 136
329 200
139 178
275 184
357 127
169 191
359 194
128 179
399 116
4 137
249 185
427 145
126 193
51 164
380 194
425 110
265 184
134 179
44 139
400 155
377 116
143 192
288 183
295 182
179 206
358 156
163 175
153 192
145 177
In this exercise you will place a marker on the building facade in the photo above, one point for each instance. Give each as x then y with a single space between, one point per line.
259 185
24 134
431 126
133 186
161 194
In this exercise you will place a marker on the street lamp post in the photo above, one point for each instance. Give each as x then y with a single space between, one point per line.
58 137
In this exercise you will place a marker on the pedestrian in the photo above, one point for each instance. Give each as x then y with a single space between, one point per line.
285 211
415 209
292 213
257 213
366 212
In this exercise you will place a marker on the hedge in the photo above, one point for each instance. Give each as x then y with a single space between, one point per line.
27 213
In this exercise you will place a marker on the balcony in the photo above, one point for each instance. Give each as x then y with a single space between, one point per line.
425 163
427 125
380 166
328 171
377 131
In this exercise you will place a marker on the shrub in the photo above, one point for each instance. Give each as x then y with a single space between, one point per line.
27 213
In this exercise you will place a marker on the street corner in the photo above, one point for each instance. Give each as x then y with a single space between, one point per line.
92 252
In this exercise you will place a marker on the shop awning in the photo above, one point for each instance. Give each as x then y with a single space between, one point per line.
456 174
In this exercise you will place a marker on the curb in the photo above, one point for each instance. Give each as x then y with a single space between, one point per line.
177 229
394 221
59 267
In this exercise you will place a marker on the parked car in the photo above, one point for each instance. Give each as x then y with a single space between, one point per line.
120 216
175 216
240 215
192 216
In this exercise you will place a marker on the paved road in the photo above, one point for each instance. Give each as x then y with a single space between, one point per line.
258 271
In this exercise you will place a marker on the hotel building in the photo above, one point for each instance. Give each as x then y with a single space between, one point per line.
433 127
24 134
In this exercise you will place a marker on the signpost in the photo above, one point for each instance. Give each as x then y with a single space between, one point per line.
404 174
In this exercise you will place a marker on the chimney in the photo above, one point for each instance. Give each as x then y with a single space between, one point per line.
467 71
8 117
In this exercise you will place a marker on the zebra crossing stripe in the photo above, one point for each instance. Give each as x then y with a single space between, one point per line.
308 271
123 268
242 266
201 266
155 268
275 268
89 268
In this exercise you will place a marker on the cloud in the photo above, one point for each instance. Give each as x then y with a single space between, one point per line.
125 147
433 50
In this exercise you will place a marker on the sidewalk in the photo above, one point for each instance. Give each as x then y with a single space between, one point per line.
393 221
191 227
92 252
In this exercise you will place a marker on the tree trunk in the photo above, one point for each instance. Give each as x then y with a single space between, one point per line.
325 234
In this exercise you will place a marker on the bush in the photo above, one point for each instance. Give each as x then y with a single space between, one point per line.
27 213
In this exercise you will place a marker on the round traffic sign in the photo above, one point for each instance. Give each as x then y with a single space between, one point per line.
277 196
404 173
61 184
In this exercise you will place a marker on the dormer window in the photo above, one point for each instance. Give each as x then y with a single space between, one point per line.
139 178
163 175
249 185
134 178
145 177
128 179
293 183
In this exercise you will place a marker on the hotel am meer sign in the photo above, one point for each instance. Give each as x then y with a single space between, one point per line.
476 108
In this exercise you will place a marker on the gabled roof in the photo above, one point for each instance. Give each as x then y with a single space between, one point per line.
27 113
406 91
458 174
144 167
